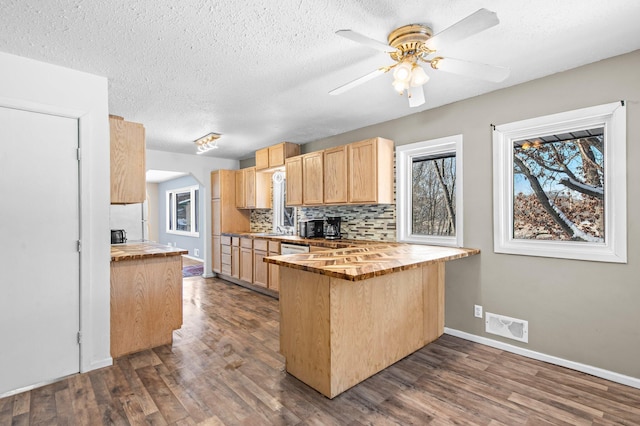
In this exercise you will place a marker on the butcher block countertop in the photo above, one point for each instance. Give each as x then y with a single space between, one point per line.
371 260
146 250
294 239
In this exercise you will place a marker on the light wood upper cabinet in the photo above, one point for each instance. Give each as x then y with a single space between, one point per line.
293 170
371 171
335 175
262 159
240 194
250 187
275 155
312 180
128 180
255 192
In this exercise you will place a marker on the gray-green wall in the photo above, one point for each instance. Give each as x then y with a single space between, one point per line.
586 312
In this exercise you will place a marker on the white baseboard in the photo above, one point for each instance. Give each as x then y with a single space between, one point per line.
107 362
199 259
594 371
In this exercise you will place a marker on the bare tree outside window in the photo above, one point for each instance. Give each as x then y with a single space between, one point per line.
558 185
433 195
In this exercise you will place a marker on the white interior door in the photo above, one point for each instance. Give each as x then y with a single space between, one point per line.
39 261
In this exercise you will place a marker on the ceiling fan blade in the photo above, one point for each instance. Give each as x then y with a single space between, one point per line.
357 81
416 96
472 69
359 38
478 21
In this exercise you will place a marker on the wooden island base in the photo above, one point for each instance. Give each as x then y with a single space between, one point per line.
335 333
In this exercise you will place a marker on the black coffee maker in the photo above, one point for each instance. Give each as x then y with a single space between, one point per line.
333 228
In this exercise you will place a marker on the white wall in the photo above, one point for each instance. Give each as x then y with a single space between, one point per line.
35 86
200 166
584 312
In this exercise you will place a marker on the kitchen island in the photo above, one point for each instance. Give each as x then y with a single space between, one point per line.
347 314
146 296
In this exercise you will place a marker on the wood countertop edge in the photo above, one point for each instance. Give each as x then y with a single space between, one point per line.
138 251
360 276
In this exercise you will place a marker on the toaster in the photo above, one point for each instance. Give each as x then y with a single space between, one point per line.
118 236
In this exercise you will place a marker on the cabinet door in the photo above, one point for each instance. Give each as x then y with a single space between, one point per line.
262 158
216 254
260 268
240 198
235 262
128 180
215 217
276 155
250 188
335 175
362 172
293 167
274 270
246 264
215 185
312 181
264 194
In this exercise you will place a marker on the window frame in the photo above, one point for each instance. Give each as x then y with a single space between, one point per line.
612 117
194 192
404 189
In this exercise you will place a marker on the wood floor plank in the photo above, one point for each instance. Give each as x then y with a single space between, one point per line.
224 368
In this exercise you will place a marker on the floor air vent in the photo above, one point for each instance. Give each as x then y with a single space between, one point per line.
511 328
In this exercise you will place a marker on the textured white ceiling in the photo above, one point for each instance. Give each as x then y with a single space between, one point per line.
259 72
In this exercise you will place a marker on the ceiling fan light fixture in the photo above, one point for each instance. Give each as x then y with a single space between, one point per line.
403 71
418 76
400 86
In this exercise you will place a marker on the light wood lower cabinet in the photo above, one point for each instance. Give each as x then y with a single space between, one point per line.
274 270
246 259
235 257
260 268
146 303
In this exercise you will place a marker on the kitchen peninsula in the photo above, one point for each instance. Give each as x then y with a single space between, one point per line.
347 314
146 296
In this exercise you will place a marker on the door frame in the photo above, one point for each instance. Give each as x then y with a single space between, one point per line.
85 130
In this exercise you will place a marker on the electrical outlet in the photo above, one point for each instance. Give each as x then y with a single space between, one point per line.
196 252
477 311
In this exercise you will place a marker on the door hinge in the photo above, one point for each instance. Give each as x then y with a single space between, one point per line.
79 246
79 337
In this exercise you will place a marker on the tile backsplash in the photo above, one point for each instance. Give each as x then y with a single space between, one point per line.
359 222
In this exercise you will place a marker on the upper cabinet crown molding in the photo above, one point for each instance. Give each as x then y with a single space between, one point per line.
128 180
274 156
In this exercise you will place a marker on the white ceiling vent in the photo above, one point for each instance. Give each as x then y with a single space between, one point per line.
511 328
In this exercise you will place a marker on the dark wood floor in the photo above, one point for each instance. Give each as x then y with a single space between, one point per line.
224 368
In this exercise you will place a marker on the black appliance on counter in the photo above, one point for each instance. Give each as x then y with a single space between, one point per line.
312 228
333 228
118 236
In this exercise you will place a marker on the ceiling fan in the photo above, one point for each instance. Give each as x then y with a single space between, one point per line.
413 44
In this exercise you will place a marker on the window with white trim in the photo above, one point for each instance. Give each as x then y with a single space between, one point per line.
182 211
560 185
429 192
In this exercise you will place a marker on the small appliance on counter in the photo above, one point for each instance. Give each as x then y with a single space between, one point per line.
312 228
333 228
118 236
